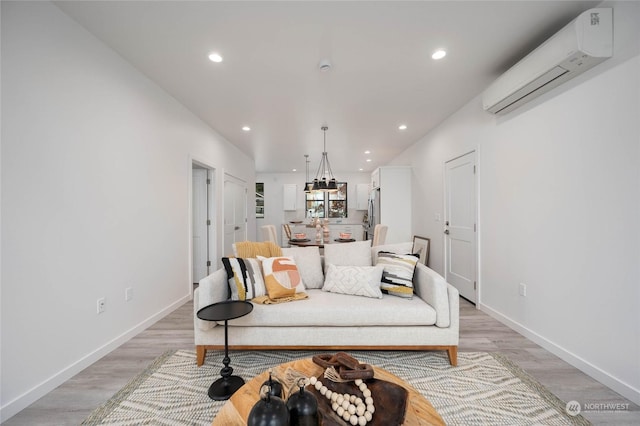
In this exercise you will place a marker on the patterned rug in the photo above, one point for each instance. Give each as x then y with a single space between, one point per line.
484 389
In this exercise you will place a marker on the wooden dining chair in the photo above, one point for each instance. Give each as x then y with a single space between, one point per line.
287 230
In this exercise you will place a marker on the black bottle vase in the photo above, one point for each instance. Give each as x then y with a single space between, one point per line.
303 408
275 387
268 411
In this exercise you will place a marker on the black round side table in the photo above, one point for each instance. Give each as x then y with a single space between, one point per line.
223 388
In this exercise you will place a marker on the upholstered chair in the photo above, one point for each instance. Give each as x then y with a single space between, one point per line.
269 234
379 235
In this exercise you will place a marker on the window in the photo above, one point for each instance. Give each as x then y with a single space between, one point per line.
327 204
259 200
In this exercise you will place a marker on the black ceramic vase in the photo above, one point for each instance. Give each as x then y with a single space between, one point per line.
268 411
303 408
274 386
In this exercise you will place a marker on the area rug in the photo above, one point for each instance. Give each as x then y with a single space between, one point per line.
484 389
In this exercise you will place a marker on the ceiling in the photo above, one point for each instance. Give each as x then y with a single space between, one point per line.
382 73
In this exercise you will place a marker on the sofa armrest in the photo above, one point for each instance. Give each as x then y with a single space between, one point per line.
211 289
433 289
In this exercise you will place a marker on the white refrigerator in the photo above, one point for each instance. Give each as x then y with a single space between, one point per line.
374 212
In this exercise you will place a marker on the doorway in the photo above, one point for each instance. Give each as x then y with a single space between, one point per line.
202 238
461 225
235 212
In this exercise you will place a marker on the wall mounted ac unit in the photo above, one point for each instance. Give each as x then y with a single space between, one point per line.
583 43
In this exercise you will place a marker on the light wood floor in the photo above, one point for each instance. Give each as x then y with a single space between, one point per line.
74 400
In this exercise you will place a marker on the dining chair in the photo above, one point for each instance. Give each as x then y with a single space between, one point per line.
287 230
269 233
379 235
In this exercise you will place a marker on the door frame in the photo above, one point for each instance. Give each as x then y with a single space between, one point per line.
228 177
475 150
212 213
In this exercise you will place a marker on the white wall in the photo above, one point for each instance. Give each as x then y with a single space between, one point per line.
96 166
559 189
273 195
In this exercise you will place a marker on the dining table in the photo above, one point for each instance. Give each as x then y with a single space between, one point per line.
306 242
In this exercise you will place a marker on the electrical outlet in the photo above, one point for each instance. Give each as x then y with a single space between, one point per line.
523 289
102 305
128 294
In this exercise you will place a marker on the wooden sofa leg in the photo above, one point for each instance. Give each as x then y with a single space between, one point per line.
201 351
452 351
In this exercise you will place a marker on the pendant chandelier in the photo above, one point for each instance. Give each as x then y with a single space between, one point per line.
324 180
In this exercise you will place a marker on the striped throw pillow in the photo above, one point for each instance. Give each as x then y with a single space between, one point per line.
397 276
245 278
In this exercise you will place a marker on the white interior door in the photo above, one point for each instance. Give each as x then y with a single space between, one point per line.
235 212
460 224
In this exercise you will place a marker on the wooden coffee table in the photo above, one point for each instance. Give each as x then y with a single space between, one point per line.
418 410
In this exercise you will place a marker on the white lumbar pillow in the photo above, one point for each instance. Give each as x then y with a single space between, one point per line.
354 280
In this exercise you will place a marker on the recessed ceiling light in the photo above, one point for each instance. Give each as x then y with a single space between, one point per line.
246 128
368 160
215 57
402 127
367 152
294 170
360 169
439 54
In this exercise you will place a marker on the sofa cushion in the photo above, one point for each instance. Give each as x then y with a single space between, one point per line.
330 309
347 254
244 277
397 277
281 277
354 280
309 264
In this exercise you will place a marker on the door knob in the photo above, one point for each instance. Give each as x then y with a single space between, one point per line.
446 231
236 228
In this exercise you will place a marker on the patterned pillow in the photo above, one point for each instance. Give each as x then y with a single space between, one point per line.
354 280
245 278
281 277
397 278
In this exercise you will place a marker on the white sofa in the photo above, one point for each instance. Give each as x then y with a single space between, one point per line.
330 321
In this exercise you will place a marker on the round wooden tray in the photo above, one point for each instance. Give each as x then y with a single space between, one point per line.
418 411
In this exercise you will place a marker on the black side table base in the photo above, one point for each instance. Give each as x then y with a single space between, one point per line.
223 388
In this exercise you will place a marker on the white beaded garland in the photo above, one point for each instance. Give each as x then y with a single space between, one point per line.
351 408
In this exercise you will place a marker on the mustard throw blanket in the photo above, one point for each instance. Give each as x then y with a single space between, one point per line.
252 249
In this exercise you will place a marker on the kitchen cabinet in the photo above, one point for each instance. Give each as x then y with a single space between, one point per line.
362 196
355 230
289 196
375 179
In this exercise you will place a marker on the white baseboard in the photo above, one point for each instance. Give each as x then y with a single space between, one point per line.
586 367
18 404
